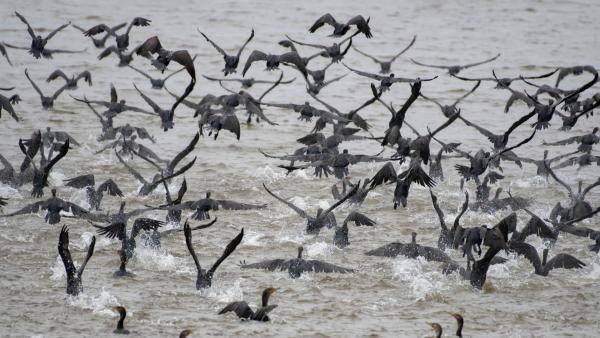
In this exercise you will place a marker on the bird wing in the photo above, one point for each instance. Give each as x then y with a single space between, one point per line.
148 100
140 71
412 42
481 62
63 251
362 25
183 153
188 241
389 250
433 254
256 55
365 74
324 267
219 49
229 249
184 58
295 59
438 210
387 173
231 123
428 65
239 53
468 93
29 29
241 309
28 209
146 224
111 187
132 171
49 36
367 55
81 182
113 230
324 19
37 89
359 219
232 205
527 250
138 21
61 153
299 211
55 74
270 265
566 141
564 261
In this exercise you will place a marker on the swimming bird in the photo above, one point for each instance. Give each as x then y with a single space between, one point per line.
323 217
74 282
53 206
94 195
297 266
204 278
340 28
455 69
245 312
71 82
437 328
38 43
449 110
386 65
410 250
459 323
6 103
340 236
543 267
47 101
386 81
122 314
231 61
109 31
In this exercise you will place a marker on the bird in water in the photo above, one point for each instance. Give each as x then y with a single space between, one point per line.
586 141
341 28
455 69
297 266
204 205
410 250
231 61
542 266
204 277
74 282
53 206
122 314
386 65
340 236
245 312
437 328
323 217
459 323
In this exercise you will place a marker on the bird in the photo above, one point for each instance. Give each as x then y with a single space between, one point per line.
449 237
231 61
94 195
7 103
122 314
340 28
578 206
386 81
273 61
386 65
410 250
245 312
297 266
340 236
109 31
204 278
74 282
203 206
334 52
114 106
47 101
437 328
586 141
575 70
5 54
449 110
455 69
459 323
247 82
543 267
40 175
156 83
506 81
322 218
71 82
38 43
166 122
122 40
53 206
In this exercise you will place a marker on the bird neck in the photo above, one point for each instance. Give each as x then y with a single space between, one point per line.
121 320
265 298
544 256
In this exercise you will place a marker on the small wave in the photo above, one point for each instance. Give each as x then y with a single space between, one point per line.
101 304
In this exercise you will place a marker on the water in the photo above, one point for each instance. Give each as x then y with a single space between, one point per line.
386 297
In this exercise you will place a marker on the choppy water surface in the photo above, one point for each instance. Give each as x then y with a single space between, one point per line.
386 297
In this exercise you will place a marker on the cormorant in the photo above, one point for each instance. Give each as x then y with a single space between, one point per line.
243 311
74 282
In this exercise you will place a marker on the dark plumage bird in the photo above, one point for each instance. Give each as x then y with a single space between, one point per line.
119 230
121 39
386 81
539 164
340 28
94 195
578 206
323 217
53 206
166 122
455 69
156 83
437 328
74 282
449 237
124 58
204 278
164 57
114 106
297 266
122 314
575 70
460 322
386 65
449 110
6 103
40 175
71 82
499 141
5 54
169 167
247 82
358 197
586 141
273 61
506 81
47 101
38 43
204 205
543 267
245 312
340 236
109 31
410 250
334 52
231 61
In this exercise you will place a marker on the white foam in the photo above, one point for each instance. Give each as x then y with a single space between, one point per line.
160 260
101 304
421 283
